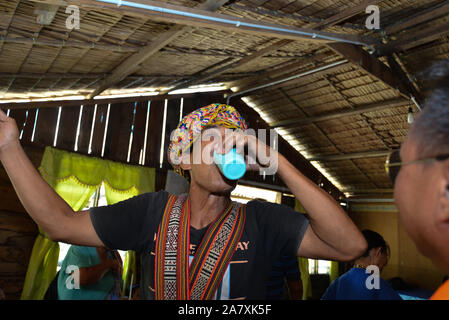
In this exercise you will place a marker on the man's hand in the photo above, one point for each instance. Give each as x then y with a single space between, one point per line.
9 133
114 264
258 155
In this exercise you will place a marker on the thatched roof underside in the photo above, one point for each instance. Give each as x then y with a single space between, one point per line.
39 60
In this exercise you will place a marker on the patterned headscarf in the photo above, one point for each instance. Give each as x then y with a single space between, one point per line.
190 127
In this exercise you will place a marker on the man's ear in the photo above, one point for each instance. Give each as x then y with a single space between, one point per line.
186 163
374 253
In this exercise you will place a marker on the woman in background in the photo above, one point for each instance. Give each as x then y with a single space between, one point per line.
354 284
100 274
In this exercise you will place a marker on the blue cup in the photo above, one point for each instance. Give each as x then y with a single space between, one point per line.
231 164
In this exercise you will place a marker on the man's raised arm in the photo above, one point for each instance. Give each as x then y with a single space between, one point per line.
331 234
42 203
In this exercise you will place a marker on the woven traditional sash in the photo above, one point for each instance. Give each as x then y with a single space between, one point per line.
174 279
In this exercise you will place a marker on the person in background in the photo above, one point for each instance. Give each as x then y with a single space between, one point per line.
420 175
353 284
285 280
100 274
2 295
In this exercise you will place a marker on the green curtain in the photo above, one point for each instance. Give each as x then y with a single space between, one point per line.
304 264
129 271
333 273
75 178
41 268
305 278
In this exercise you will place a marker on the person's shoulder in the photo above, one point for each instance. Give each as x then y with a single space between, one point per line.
353 277
265 208
156 195
156 198
258 205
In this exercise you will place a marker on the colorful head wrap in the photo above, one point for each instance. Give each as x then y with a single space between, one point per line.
191 126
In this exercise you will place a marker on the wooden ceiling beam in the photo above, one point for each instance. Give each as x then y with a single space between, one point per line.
282 81
345 14
209 75
133 63
414 39
373 66
77 103
350 156
70 43
372 107
435 12
195 17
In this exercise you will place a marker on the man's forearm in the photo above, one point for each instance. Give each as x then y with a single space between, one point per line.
327 219
42 203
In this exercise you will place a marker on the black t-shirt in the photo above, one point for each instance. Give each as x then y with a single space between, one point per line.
270 231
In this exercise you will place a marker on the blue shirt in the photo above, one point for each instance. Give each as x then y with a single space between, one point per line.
352 286
81 257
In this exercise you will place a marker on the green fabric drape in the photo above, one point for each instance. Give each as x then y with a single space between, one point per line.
129 271
43 260
333 273
305 278
304 264
75 178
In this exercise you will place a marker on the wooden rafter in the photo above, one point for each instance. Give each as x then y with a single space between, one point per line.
202 18
372 107
373 66
355 155
132 64
323 134
345 14
203 76
423 16
283 80
77 103
415 39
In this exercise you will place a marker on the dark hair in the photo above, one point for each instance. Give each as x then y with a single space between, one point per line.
431 128
375 240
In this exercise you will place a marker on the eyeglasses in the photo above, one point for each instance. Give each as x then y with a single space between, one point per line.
394 164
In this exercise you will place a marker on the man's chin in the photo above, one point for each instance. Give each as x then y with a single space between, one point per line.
225 186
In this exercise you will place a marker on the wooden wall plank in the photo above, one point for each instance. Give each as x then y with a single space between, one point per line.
12 286
85 128
172 121
99 127
120 122
67 128
28 130
154 134
20 115
46 126
139 132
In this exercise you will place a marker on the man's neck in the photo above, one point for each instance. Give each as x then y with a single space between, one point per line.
361 263
205 206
